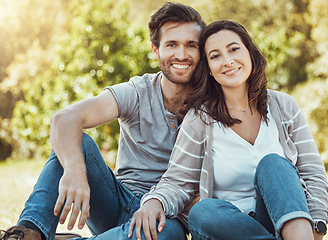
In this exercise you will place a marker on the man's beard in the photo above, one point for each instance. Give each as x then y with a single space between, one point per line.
174 78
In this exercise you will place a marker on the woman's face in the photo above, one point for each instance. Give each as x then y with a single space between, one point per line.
228 59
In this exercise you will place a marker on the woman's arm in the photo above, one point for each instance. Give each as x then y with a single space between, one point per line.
310 166
181 181
178 184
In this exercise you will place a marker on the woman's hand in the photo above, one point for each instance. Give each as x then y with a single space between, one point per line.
75 190
146 217
317 236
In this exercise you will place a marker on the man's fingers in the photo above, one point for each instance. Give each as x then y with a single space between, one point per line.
66 209
59 203
74 214
85 214
162 222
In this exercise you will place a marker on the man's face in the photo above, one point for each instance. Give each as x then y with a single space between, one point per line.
178 51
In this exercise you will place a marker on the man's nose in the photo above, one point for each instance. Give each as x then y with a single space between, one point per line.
181 53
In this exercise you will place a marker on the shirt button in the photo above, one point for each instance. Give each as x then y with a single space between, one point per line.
173 126
171 118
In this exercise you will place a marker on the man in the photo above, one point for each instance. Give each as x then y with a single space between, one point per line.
76 179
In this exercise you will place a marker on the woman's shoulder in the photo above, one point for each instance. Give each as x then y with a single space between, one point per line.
197 116
281 98
283 103
196 119
278 94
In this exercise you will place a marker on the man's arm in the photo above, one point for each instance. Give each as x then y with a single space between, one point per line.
65 136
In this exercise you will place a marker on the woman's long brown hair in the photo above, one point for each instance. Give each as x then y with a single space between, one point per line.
207 95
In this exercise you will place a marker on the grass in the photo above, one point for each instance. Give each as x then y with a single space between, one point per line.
17 179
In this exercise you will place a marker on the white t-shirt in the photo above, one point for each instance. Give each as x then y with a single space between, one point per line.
235 161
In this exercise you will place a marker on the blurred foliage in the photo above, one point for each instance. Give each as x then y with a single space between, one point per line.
57 53
98 48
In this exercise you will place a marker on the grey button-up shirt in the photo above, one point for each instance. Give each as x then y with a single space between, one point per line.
147 132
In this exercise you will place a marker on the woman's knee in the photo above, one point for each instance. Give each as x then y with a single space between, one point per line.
211 211
213 219
197 211
274 162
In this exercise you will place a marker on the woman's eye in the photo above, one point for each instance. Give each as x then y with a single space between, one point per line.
234 49
214 56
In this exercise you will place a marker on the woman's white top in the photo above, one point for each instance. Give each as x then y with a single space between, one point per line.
235 161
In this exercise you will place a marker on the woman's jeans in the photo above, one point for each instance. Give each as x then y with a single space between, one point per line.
111 204
280 197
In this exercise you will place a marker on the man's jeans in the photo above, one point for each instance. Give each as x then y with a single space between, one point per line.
280 197
111 204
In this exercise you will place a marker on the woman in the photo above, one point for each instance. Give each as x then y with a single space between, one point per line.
248 151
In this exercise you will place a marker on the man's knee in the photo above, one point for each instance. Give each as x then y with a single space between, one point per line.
87 140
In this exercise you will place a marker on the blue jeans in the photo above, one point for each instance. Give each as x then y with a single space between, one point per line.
280 197
111 204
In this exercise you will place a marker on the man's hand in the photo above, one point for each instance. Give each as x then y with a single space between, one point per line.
146 217
75 190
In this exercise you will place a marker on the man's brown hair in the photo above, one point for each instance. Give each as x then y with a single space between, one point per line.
172 12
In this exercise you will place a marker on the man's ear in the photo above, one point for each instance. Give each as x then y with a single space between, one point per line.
155 51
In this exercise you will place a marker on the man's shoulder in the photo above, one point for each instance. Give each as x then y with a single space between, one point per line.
145 80
136 84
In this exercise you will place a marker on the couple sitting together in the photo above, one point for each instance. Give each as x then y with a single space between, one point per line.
205 149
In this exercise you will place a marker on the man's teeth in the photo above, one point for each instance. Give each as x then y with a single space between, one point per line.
180 66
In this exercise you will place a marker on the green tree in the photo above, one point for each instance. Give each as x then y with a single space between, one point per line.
100 48
26 30
56 53
312 95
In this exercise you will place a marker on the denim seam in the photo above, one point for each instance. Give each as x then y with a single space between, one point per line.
102 173
127 209
200 232
268 210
